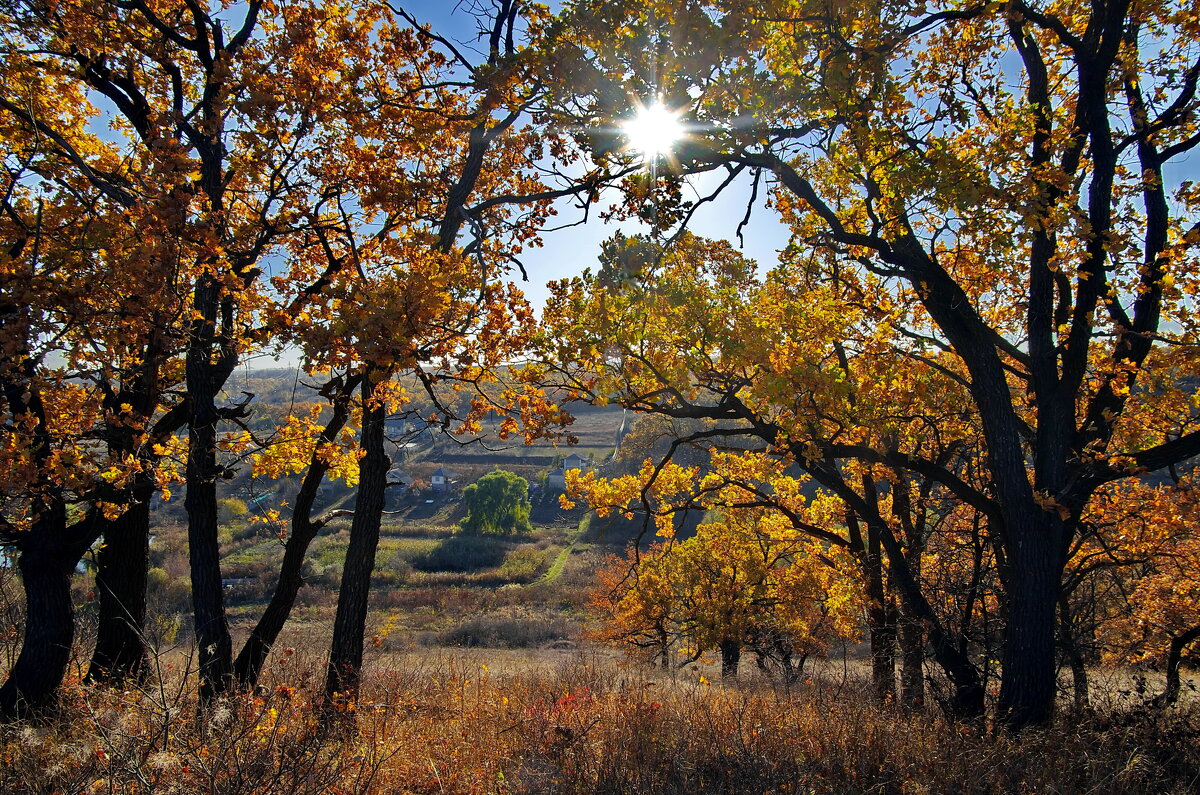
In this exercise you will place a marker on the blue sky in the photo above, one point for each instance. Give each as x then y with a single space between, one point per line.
567 252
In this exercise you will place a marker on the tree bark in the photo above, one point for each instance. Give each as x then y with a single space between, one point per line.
1070 647
1028 683
881 623
346 651
48 553
912 671
1170 693
731 656
204 380
121 565
32 684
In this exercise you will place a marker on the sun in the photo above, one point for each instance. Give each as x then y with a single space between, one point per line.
653 131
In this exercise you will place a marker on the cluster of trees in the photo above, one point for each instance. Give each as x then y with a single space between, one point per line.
750 582
186 186
989 296
983 329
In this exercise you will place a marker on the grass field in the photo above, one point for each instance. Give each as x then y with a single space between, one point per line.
479 678
549 721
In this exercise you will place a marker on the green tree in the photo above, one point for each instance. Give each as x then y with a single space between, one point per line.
498 503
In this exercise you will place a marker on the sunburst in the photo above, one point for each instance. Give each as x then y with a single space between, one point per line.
654 131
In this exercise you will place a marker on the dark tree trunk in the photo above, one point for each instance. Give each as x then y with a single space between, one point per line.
33 682
731 656
346 651
912 671
254 653
967 701
204 556
121 565
881 623
120 655
1028 684
1170 693
48 553
664 645
1070 647
882 632
204 379
912 517
258 645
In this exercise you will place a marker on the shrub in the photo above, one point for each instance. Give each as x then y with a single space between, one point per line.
523 564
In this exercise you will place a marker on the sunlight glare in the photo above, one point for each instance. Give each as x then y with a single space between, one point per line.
653 131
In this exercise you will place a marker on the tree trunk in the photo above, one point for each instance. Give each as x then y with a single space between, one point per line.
121 565
967 701
204 556
346 651
49 551
1170 693
204 380
1079 677
1028 683
254 653
731 656
912 672
881 623
33 682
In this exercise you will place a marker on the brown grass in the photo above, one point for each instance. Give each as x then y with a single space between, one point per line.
429 722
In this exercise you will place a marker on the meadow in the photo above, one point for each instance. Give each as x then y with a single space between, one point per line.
443 721
480 678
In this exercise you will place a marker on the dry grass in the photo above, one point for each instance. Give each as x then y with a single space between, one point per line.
555 722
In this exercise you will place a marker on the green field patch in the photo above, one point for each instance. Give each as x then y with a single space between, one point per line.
524 563
260 552
463 553
400 552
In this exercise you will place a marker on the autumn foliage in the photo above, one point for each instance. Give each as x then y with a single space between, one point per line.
955 418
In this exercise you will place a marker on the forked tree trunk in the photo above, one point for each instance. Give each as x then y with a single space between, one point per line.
1170 693
346 651
48 553
248 665
47 561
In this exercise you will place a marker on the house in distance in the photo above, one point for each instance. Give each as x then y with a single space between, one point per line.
443 479
556 480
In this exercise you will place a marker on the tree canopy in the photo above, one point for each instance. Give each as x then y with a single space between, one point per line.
977 350
498 504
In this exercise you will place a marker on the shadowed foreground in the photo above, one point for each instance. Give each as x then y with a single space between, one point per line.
453 725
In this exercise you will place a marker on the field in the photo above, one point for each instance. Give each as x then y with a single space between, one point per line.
479 679
433 721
